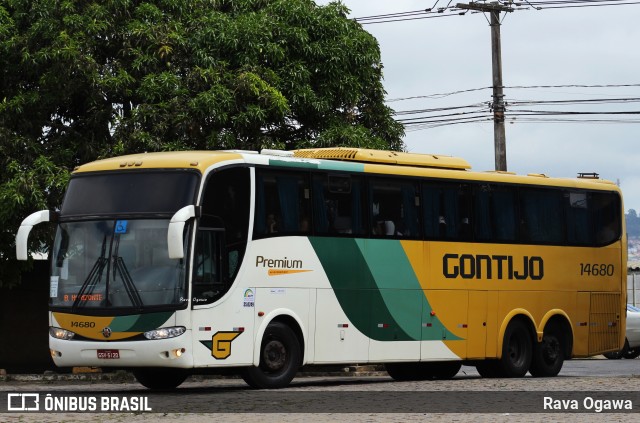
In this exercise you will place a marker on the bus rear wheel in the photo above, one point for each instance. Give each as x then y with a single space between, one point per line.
161 379
280 358
548 356
516 350
516 354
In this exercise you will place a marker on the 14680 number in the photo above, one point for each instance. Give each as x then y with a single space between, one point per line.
596 269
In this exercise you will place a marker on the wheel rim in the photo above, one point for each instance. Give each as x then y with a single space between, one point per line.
274 356
516 349
550 350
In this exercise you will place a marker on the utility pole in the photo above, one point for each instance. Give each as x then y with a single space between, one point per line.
499 137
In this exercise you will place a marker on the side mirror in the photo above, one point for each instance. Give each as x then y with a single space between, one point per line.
175 241
22 236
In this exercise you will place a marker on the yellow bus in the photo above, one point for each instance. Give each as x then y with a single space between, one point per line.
175 263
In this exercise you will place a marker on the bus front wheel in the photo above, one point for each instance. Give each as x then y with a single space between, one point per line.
161 379
280 358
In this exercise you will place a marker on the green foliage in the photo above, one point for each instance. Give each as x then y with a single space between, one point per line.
82 80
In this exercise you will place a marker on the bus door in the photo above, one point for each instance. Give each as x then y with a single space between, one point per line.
222 319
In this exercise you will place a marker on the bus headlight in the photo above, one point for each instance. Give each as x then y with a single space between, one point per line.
60 333
165 333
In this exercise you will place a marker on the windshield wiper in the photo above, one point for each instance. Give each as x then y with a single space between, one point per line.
93 278
130 287
121 267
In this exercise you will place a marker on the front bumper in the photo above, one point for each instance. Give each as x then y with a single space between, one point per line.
174 352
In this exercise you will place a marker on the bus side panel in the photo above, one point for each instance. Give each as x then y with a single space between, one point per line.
277 302
477 330
223 332
581 325
605 322
337 339
391 335
492 324
444 319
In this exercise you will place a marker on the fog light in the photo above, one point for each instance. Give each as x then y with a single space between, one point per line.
60 333
55 354
177 353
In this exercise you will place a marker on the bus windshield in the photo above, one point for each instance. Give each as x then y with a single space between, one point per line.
115 264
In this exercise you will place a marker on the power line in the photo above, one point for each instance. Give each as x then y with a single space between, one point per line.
438 95
574 101
393 18
439 109
419 119
580 4
456 10
511 87
573 86
496 111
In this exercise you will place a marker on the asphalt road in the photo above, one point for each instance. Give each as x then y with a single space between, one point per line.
600 390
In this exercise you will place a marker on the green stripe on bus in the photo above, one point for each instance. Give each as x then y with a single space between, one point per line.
378 289
396 281
321 165
356 289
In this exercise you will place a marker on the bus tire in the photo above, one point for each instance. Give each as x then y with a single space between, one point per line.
444 370
403 372
423 371
280 358
516 350
631 353
548 356
160 379
488 368
617 355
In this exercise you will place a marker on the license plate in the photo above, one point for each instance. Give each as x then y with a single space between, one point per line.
109 354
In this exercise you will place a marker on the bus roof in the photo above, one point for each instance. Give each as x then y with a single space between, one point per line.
199 160
384 157
340 158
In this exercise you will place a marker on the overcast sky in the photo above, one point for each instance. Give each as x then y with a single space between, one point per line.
577 46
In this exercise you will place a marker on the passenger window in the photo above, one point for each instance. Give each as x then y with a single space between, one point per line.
578 221
283 203
542 216
606 217
495 213
338 205
394 209
446 211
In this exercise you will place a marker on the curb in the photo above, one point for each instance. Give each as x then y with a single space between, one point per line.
95 374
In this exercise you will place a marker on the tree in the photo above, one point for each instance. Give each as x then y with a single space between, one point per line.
88 79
